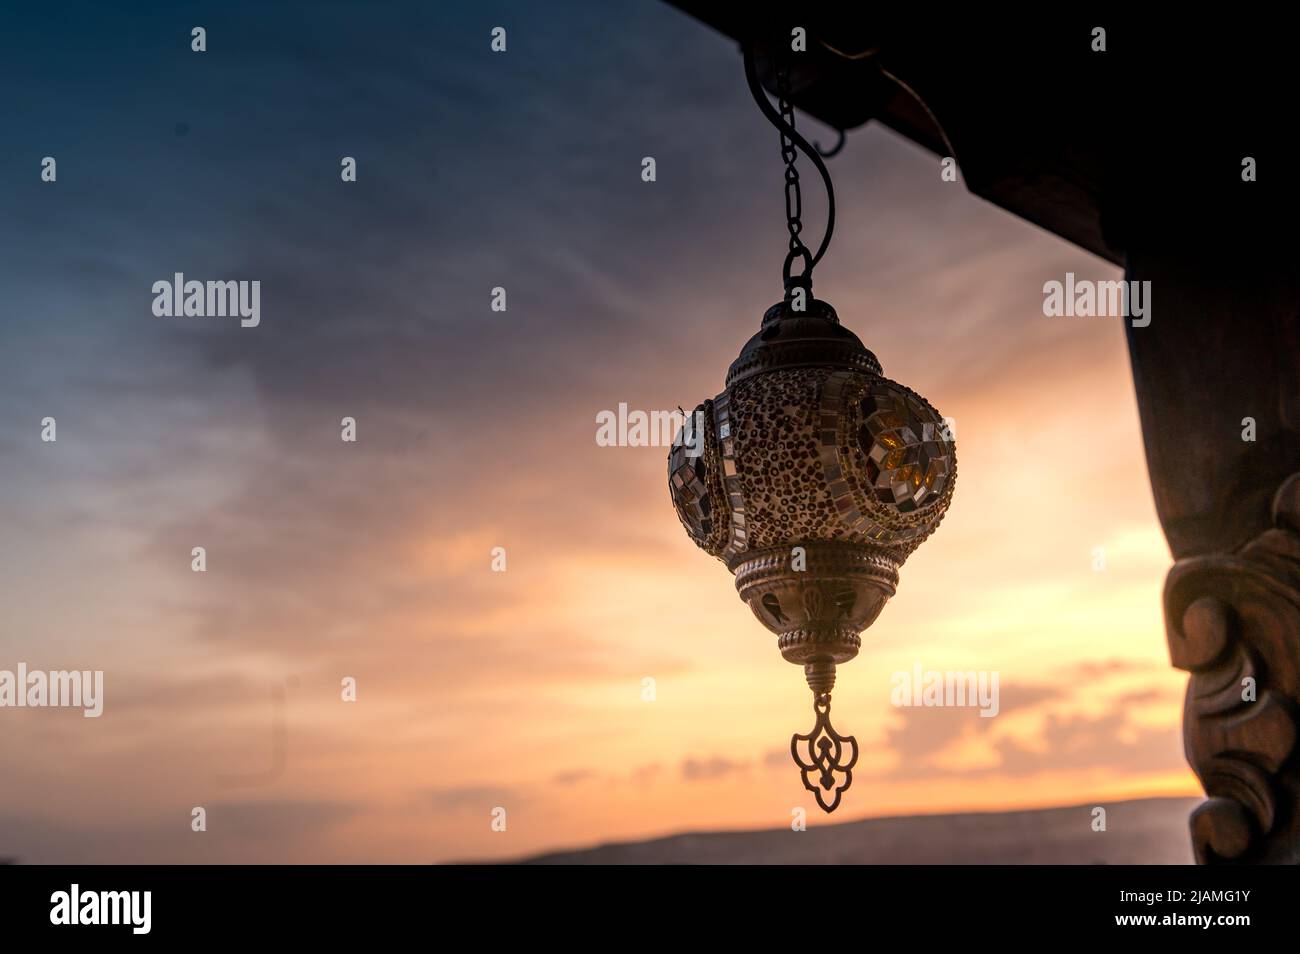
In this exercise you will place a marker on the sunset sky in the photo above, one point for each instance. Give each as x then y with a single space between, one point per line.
476 429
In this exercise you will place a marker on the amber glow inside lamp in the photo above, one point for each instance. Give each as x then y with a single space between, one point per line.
811 476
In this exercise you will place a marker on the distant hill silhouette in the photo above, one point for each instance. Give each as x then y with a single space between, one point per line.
1142 831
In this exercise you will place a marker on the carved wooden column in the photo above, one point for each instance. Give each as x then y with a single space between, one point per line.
1224 345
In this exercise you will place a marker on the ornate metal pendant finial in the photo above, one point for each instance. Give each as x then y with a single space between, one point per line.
824 763
820 753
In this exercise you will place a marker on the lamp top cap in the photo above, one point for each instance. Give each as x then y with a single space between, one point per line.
812 337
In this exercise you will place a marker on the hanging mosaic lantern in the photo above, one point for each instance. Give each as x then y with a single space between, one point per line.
812 477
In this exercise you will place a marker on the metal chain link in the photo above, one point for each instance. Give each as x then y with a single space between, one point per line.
793 195
792 143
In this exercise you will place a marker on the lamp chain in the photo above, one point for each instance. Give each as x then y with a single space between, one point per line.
792 143
793 195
